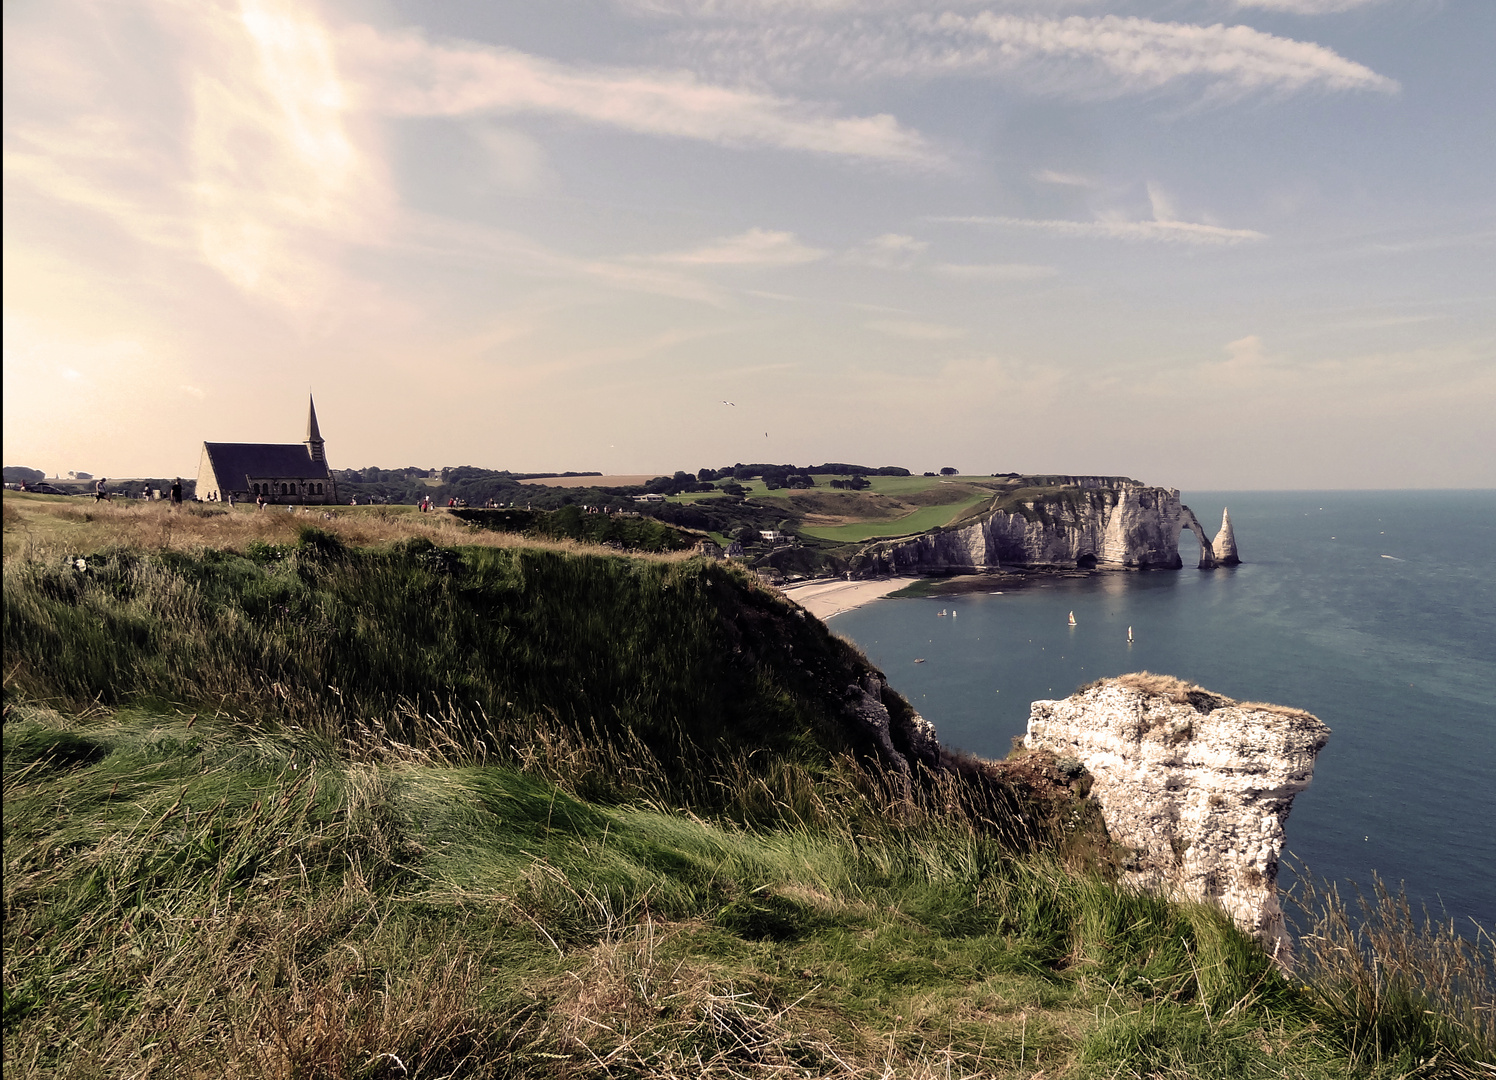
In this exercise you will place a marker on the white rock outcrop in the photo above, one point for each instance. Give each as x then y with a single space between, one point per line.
1224 544
1089 521
1195 785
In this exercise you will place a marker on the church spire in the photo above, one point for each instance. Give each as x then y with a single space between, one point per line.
313 434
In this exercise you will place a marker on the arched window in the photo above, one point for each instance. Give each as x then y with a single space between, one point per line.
319 489
283 490
257 488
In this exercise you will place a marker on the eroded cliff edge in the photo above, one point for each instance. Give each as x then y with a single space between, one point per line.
1194 785
1071 522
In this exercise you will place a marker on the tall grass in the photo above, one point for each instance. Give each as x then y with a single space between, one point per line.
436 649
304 810
1397 986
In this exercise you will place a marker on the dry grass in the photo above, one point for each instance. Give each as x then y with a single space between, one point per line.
1175 689
639 1005
1391 979
42 526
248 993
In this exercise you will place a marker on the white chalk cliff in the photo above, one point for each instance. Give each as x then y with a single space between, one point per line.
1195 785
1086 522
1224 544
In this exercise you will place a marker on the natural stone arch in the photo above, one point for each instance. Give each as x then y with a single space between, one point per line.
1192 523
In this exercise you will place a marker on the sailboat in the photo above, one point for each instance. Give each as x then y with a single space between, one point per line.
1072 618
1129 635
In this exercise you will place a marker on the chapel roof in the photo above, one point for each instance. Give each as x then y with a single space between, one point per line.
235 462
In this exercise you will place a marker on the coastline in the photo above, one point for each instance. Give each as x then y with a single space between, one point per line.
827 597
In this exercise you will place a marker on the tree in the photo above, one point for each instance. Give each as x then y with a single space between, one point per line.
948 471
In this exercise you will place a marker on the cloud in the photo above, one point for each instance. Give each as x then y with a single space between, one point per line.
515 160
891 251
274 164
1307 7
1050 176
1172 232
1105 55
916 331
756 247
403 74
779 9
994 271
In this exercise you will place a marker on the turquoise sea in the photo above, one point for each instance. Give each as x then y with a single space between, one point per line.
1376 611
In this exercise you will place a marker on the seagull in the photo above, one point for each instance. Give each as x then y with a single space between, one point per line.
734 404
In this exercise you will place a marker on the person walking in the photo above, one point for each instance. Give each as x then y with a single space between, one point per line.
176 492
99 493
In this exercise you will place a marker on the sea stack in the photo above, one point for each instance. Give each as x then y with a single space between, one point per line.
1224 545
1194 786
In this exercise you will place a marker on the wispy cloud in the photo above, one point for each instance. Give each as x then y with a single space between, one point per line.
756 247
1104 55
891 251
759 9
404 74
994 271
1075 180
1173 232
1307 7
916 331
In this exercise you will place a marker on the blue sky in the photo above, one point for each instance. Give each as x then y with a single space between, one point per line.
1206 243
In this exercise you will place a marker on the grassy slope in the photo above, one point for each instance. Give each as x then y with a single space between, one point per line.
233 875
921 520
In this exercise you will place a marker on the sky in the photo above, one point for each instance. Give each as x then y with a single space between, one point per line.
1218 244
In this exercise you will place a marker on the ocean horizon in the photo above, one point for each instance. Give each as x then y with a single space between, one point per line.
1374 610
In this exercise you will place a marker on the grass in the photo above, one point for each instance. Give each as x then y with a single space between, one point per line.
190 896
921 520
303 808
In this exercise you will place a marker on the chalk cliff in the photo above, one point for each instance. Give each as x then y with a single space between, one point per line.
1085 522
1224 545
1195 785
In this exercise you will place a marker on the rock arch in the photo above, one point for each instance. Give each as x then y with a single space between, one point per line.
1192 523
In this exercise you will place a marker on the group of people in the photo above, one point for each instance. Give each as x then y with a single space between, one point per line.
101 494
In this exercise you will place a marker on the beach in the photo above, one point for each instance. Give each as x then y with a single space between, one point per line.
826 597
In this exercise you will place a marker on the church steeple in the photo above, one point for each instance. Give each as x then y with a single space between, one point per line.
313 434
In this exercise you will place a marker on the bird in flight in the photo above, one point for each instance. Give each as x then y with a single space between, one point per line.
734 404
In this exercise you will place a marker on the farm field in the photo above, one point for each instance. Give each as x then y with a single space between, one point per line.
921 520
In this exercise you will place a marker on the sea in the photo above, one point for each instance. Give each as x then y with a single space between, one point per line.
1376 611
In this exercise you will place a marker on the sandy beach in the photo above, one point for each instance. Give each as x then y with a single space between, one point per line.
827 597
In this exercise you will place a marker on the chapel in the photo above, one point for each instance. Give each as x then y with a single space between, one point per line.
282 472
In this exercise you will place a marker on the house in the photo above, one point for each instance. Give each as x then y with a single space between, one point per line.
281 472
652 497
771 536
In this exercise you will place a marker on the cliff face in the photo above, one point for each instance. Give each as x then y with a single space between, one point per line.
1196 785
1093 521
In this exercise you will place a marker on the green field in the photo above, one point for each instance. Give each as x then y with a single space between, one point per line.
923 519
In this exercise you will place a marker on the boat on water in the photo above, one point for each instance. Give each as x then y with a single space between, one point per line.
1072 618
1129 635
919 659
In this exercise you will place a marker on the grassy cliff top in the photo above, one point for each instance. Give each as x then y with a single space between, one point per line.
381 797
